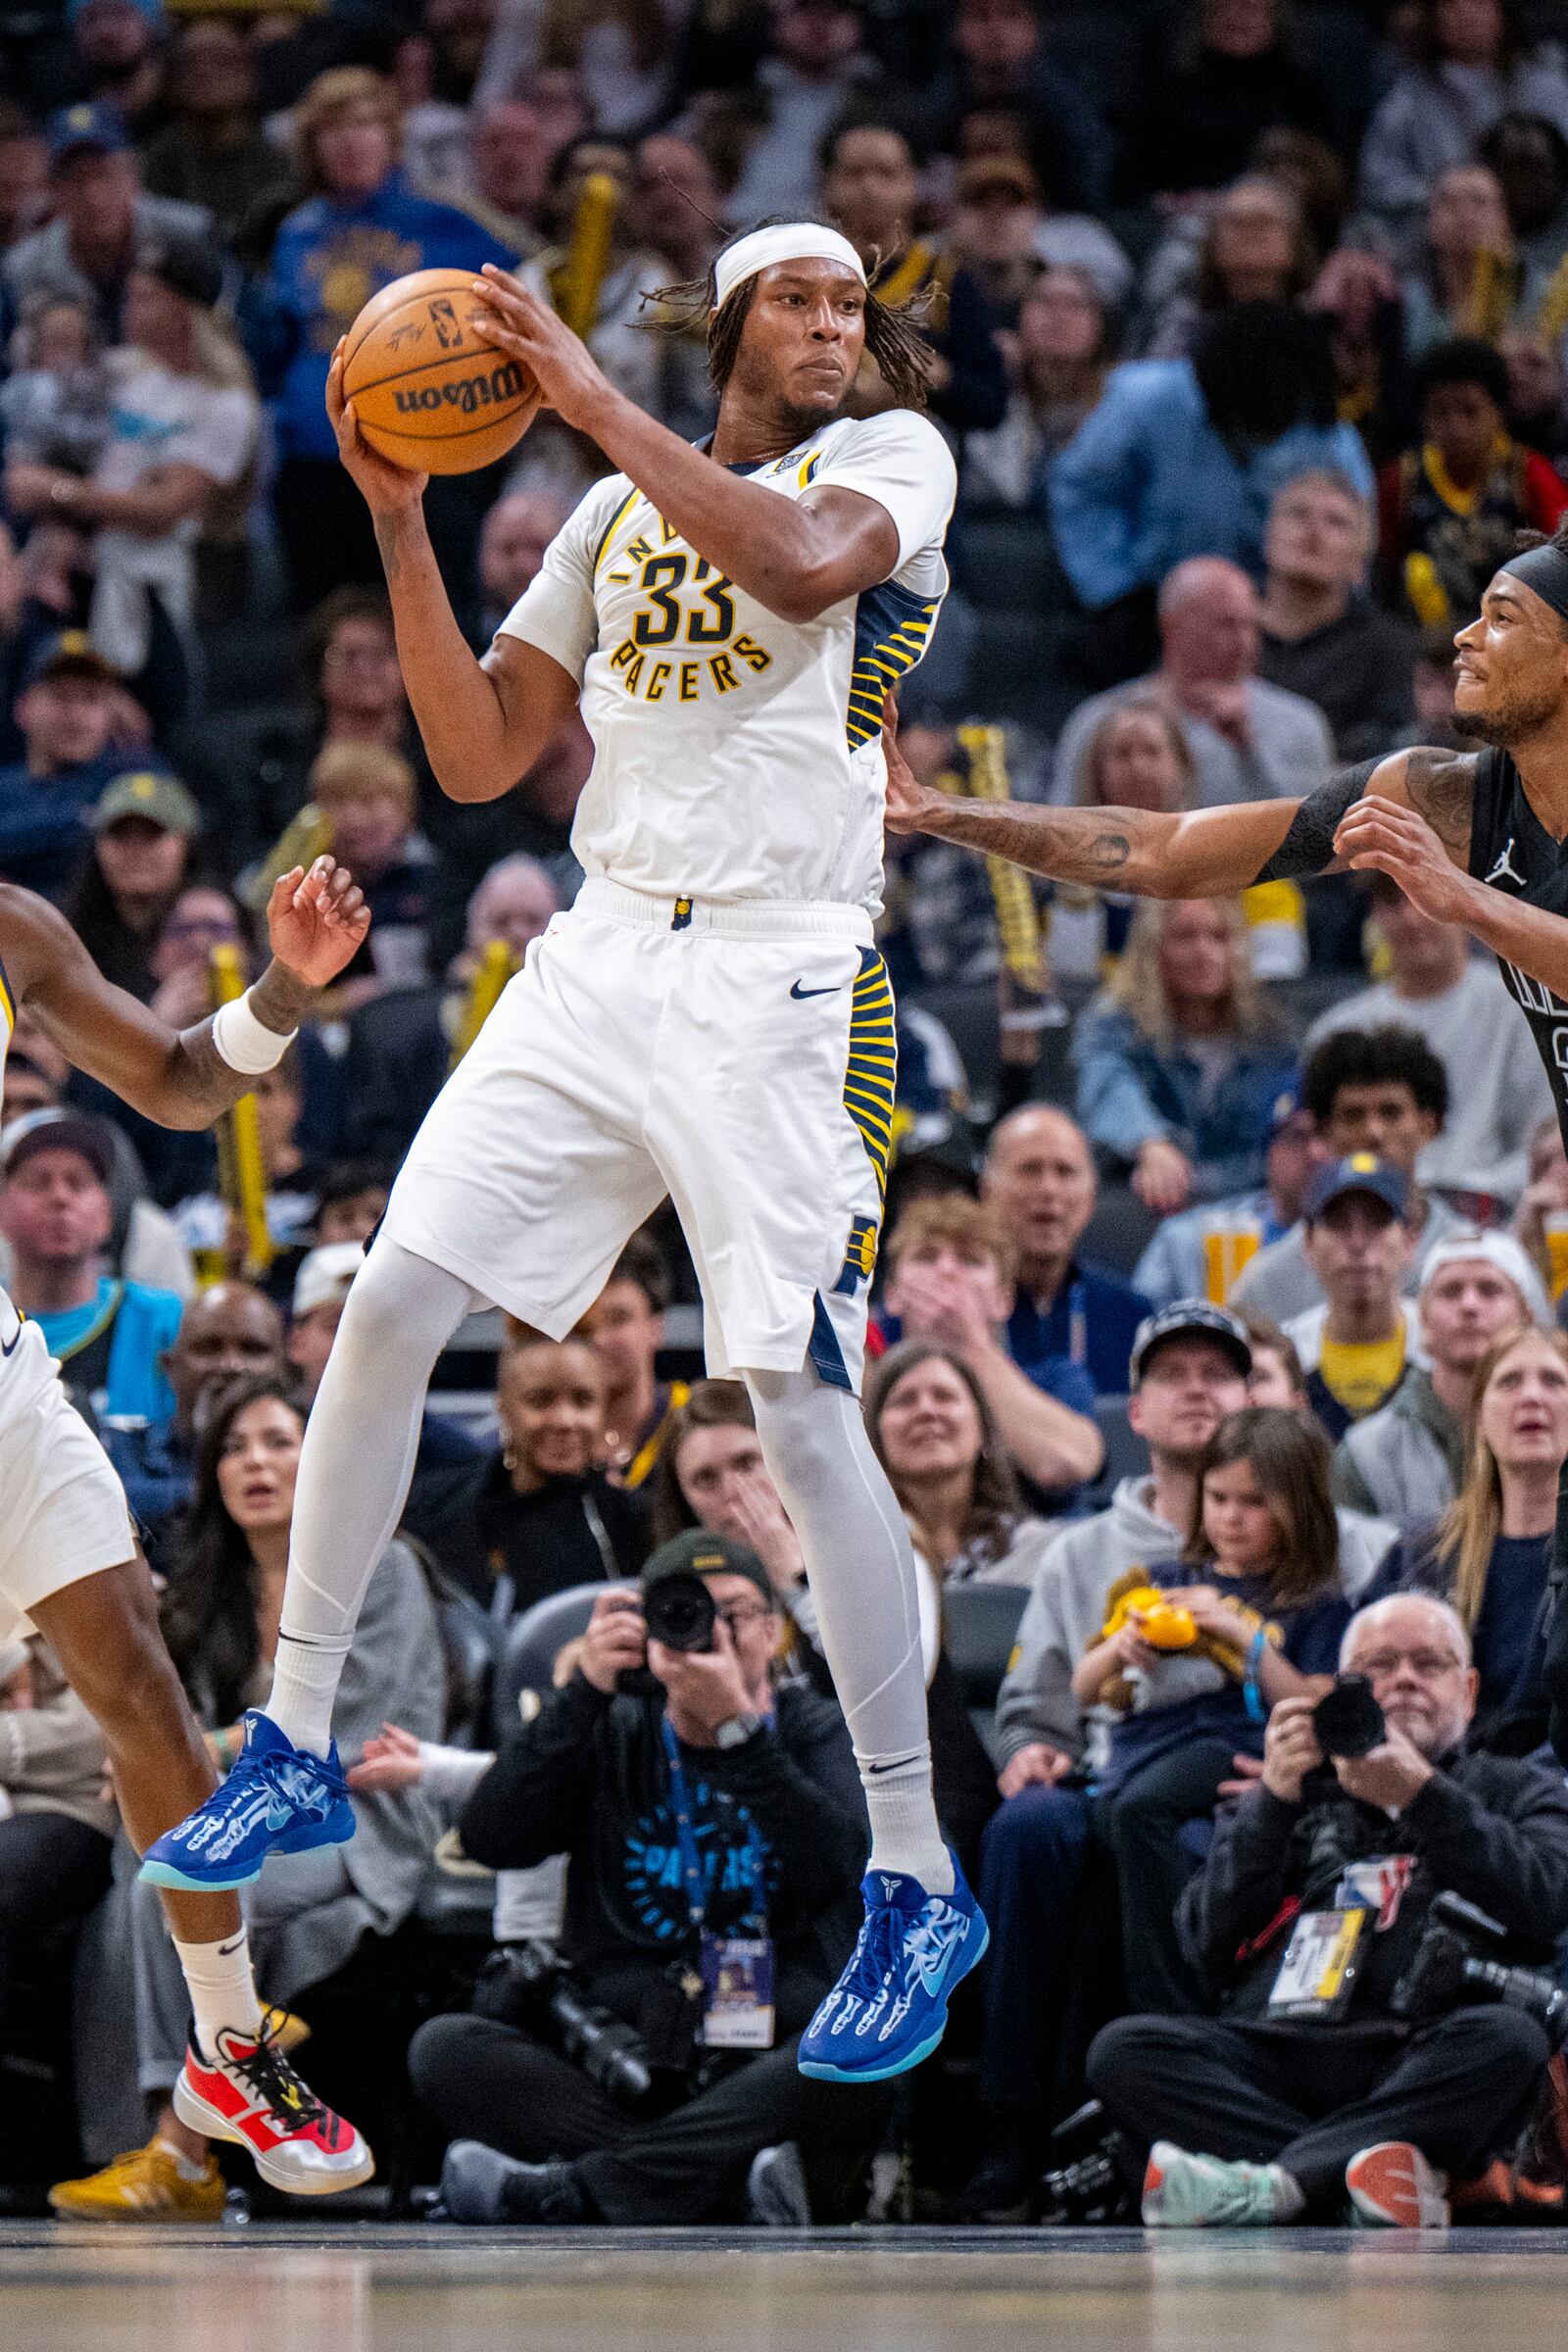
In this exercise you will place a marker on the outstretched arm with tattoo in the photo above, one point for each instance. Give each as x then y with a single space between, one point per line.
317 921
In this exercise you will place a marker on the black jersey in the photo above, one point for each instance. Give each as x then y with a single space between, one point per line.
1512 850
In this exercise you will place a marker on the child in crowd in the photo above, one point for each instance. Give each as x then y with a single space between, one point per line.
55 403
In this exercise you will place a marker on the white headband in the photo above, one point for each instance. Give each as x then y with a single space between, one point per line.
789 241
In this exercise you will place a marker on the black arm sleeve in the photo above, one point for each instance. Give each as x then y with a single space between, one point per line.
1308 846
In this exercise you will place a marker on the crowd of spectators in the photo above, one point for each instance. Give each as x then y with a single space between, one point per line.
1221 1275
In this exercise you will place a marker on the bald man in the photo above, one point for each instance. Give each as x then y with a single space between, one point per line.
228 1332
1040 1179
1249 741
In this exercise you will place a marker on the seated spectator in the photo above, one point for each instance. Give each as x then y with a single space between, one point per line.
1449 510
69 714
1066 344
1276 1378
1254 247
360 226
1470 65
24 176
1321 635
316 1309
625 1328
653 371
1194 1256
1179 1060
620 66
1183 457
1256 2118
711 1473
1003 67
762 1777
500 173
1433 685
950 1285
1382 1090
213 152
1358 1346
370 801
870 185
312 1911
145 829
1437 988
101 218
937 1437
54 405
1249 741
1002 235
1490 1553
57 1824
517 530
1529 157
1212 78
1405 1461
230 1332
1357 298
1040 1179
118 57
1466 278
203 916
1542 1216
350 1203
108 1335
536 1514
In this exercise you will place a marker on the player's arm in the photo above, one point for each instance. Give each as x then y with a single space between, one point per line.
482 724
796 557
178 1077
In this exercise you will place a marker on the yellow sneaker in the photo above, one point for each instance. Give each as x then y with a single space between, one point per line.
146 2185
287 2032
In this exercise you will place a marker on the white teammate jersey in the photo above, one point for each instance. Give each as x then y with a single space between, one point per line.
737 756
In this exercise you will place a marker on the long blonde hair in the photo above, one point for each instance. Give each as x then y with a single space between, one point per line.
1137 990
1473 1521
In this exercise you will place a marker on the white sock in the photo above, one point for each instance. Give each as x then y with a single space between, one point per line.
189 2168
898 1798
306 1673
1290 2198
223 1990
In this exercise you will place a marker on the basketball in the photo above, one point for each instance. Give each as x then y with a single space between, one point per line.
429 391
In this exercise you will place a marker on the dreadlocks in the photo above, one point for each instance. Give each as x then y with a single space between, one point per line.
892 337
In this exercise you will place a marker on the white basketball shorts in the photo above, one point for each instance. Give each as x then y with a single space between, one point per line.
63 1510
739 1057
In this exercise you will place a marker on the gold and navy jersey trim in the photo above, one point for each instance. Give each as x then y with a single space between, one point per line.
618 516
7 1006
892 630
871 1072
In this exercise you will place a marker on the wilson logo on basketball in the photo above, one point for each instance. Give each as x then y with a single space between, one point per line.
471 392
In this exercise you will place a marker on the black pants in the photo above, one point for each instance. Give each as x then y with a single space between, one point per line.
481 2079
1460 2089
52 1869
1142 1824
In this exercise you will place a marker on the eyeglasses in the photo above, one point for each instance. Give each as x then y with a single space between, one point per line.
1429 1664
740 1617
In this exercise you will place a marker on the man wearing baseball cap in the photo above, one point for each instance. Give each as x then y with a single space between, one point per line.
107 1335
66 712
1356 1347
1406 1461
86 253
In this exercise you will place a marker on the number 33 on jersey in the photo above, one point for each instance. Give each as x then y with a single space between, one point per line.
737 756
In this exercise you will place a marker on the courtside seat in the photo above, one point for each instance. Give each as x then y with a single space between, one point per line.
979 1625
530 1648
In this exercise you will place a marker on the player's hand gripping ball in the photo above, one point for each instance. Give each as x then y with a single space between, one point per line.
427 392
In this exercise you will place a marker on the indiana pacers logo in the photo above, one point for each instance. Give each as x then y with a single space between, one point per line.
859 1260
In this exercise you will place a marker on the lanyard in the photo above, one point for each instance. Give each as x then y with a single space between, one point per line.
691 1869
1077 1325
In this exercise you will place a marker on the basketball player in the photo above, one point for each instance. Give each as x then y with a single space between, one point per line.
1478 839
69 1565
710 1020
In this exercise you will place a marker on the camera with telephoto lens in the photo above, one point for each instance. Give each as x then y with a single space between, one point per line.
530 1985
1449 1969
1347 1720
1087 2187
680 1611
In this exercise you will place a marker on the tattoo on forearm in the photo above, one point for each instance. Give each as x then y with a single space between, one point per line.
1069 845
1442 789
1308 846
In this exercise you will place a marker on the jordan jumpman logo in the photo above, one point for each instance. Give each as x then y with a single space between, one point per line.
1504 870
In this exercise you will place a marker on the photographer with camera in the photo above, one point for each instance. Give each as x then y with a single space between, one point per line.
1357 2048
715 1833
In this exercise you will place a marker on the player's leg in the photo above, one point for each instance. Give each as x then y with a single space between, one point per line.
104 1631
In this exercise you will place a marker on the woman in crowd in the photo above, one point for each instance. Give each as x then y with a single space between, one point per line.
1254 247
938 1441
1179 1060
143 854
311 1911
1490 1552
536 1514
1064 347
1472 63
1466 279
711 1473
1138 758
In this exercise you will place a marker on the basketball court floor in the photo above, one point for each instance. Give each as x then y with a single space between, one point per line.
385 2290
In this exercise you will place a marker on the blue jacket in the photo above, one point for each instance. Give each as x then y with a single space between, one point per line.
1145 482
1131 1091
1090 1323
139 1323
328 260
43 821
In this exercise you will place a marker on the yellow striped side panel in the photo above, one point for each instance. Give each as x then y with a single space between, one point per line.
880 664
872 1069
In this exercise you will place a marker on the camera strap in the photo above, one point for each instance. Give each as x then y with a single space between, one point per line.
736 1971
691 1867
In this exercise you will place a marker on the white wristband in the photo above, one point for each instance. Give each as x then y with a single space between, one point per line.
246 1044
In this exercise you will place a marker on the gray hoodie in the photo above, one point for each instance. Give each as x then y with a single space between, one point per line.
1067 1608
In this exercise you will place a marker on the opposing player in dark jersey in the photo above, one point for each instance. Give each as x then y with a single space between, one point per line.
1478 839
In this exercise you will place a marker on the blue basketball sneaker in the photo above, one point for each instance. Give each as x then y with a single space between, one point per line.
889 2009
278 1800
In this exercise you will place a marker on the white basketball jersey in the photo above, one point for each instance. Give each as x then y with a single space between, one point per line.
738 755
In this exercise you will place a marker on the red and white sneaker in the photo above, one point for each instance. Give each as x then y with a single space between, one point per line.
253 2096
1394 2187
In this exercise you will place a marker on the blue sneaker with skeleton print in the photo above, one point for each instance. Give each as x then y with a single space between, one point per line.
278 1800
889 2009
